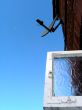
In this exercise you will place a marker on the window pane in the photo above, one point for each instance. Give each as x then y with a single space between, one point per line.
67 76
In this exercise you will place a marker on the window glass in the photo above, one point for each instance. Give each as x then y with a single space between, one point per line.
67 76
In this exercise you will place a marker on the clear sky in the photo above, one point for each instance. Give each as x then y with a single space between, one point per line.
23 52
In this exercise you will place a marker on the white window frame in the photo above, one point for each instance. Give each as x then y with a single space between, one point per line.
51 101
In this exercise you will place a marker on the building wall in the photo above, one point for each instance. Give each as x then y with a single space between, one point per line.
71 12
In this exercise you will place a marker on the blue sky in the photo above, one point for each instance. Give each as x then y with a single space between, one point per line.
23 52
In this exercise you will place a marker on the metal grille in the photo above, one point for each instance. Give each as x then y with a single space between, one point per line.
68 76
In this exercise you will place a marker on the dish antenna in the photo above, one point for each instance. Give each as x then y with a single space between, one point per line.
50 28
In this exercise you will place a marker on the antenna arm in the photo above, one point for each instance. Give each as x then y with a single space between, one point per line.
54 29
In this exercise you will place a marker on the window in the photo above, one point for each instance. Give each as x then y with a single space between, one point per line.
63 80
67 73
